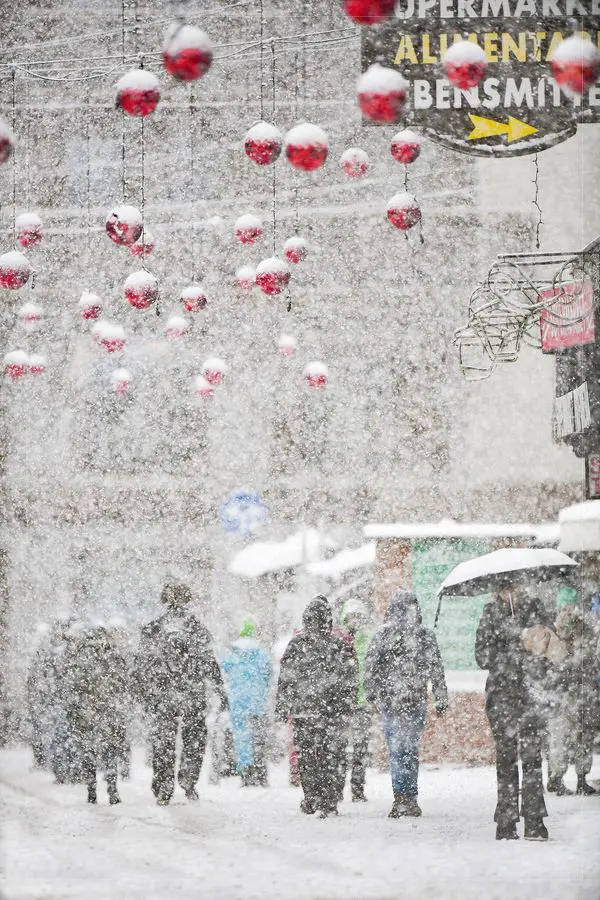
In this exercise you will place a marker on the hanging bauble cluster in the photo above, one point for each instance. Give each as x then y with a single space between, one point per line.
187 52
245 278
7 142
204 388
354 162
316 375
464 64
403 211
37 364
272 275
16 364
214 371
193 298
15 270
137 92
176 327
30 316
90 306
575 64
144 245
406 146
124 225
306 147
141 289
369 12
263 143
381 94
29 230
120 381
248 229
109 335
287 345
295 250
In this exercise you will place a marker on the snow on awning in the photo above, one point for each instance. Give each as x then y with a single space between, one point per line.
258 559
345 561
580 526
450 529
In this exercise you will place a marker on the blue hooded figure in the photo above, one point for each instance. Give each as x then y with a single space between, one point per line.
248 672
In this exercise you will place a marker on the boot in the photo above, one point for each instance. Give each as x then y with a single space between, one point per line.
535 830
359 797
506 831
92 798
307 807
113 796
404 806
191 794
583 787
557 786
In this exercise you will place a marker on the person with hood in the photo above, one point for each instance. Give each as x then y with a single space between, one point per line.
317 690
403 657
514 692
248 672
354 622
174 661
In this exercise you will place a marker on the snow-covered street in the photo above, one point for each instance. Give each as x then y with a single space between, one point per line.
255 844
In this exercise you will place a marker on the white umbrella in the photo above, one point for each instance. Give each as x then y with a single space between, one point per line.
502 567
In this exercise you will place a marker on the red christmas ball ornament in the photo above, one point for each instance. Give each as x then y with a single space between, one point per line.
193 299
354 162
306 147
141 289
369 12
176 327
120 381
109 336
7 142
37 364
204 388
403 211
187 52
381 94
138 92
29 230
245 278
287 345
295 250
248 229
16 364
575 64
464 64
272 275
90 305
214 371
14 270
144 245
30 315
124 224
262 143
316 375
406 146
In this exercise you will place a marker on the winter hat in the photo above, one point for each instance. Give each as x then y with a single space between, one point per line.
353 607
248 629
175 595
317 616
401 605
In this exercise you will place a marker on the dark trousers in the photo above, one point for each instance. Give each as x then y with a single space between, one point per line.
317 743
516 736
103 753
164 726
360 732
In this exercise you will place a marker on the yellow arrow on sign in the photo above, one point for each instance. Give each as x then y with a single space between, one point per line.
514 129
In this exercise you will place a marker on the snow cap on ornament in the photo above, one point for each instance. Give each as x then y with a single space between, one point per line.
306 147
464 64
262 143
138 92
176 327
214 370
245 278
381 94
316 375
109 335
90 305
204 388
7 142
369 12
575 64
120 381
403 211
16 364
406 146
124 224
272 275
29 230
187 52
15 270
193 298
30 315
248 229
295 249
37 364
141 289
287 345
144 245
354 162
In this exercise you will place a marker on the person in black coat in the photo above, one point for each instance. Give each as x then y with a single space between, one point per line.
514 705
175 659
318 682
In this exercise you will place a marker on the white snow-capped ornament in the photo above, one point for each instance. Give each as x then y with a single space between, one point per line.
137 92
354 162
37 364
124 224
30 315
193 299
465 64
381 94
287 345
263 143
214 371
575 64
204 388
295 250
120 381
245 278
176 327
90 305
144 245
7 142
109 335
29 230
248 229
406 146
272 275
187 52
306 147
141 289
403 211
316 375
15 270
16 364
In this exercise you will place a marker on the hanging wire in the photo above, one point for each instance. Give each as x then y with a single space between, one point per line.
192 180
273 167
262 61
14 159
540 221
123 179
87 167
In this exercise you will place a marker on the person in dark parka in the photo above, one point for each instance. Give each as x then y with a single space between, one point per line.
403 658
318 682
513 690
175 659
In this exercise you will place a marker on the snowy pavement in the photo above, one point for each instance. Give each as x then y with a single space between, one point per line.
254 843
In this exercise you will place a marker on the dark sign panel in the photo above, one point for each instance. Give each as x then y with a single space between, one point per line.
517 108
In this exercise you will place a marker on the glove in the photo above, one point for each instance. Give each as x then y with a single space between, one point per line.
536 639
441 708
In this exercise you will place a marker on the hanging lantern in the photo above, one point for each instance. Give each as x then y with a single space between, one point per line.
124 224
144 245
120 380
109 335
263 143
369 12
204 388
176 327
245 278
287 345
381 94
14 270
248 229
193 298
141 289
16 364
464 64
295 250
90 305
272 275
306 147
7 142
354 162
575 64
403 211
31 316
316 375
187 52
214 371
29 230
37 364
138 92
406 146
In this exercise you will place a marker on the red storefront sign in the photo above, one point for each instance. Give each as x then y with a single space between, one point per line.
576 309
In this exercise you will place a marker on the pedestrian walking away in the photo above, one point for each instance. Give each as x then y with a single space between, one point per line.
354 620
